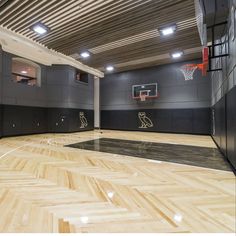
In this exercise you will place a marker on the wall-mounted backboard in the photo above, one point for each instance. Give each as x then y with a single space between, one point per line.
145 91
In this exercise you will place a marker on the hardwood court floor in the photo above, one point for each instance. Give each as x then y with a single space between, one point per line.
46 187
175 153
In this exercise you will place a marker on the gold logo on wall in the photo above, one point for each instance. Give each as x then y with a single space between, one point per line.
83 120
145 121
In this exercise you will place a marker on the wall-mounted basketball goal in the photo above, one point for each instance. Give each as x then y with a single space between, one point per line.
142 92
189 69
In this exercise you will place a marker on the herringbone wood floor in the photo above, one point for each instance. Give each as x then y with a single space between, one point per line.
45 187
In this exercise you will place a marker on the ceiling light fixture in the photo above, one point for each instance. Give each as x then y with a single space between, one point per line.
23 72
85 54
164 31
109 68
40 28
178 54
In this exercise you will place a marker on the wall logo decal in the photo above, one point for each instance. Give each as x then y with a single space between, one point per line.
145 121
213 123
83 120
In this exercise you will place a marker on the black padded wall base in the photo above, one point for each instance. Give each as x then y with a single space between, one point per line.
70 120
1 113
21 120
220 124
191 121
224 130
231 127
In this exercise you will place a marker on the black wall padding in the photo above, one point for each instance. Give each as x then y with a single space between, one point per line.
1 113
220 124
231 126
225 125
20 120
68 120
191 121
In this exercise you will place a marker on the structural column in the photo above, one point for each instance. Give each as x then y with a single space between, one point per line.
96 102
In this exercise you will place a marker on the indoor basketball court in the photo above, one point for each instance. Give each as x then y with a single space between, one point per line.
117 116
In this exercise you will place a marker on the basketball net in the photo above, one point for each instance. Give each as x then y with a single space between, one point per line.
143 97
188 70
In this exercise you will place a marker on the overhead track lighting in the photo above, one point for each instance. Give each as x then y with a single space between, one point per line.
39 28
167 30
109 68
85 54
176 54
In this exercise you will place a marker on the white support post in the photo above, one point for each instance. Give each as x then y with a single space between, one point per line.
97 102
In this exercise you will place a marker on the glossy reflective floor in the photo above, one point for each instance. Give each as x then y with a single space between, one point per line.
46 187
183 154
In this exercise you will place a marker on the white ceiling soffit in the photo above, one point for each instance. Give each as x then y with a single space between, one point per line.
22 46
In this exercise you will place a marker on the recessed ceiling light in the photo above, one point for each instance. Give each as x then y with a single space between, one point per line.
110 68
40 29
176 54
167 30
24 72
85 54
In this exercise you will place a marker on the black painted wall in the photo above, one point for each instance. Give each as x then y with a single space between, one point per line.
231 126
224 92
225 125
1 113
191 121
21 120
182 107
54 106
68 120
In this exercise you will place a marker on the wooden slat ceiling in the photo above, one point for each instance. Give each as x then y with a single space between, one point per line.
116 32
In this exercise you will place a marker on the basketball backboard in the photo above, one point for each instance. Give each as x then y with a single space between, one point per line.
144 91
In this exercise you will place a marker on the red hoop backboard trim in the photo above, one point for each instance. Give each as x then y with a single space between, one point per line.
201 66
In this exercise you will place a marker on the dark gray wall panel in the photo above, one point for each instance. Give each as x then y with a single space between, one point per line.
68 120
231 126
19 94
58 120
220 124
223 93
63 91
202 121
182 121
175 92
75 120
182 106
58 88
33 109
18 120
164 120
1 114
223 125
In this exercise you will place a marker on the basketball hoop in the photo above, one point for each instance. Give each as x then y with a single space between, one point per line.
188 70
142 97
143 94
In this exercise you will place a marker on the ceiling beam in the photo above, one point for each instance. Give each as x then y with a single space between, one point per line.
22 46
